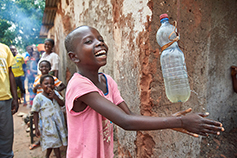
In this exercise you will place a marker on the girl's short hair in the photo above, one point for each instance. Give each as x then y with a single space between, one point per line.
46 62
69 39
44 76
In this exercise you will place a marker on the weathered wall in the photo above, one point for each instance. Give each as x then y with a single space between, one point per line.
208 35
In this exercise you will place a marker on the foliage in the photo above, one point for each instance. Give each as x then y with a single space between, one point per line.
20 22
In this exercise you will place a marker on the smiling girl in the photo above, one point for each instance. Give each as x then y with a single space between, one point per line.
93 102
50 56
46 105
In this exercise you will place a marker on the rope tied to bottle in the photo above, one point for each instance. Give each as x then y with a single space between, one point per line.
172 41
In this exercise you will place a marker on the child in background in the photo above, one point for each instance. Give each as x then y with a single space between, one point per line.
31 66
34 62
52 132
44 67
96 101
51 56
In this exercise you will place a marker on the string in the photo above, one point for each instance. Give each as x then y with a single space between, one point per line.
172 41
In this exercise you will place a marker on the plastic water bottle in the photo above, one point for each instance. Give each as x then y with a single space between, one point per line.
172 63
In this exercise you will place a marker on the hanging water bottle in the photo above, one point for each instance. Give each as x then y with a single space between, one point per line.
172 62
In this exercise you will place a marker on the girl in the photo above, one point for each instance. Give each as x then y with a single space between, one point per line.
93 101
45 67
52 132
52 57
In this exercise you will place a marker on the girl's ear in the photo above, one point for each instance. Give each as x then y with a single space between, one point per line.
73 57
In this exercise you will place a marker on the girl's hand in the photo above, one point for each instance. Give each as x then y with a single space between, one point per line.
196 123
180 113
37 132
51 93
37 86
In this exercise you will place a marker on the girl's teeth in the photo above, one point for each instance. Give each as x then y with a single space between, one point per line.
100 52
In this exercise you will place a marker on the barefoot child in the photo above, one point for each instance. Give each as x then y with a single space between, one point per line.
53 132
93 102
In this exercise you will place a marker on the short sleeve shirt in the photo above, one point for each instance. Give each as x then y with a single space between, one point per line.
90 135
6 61
17 68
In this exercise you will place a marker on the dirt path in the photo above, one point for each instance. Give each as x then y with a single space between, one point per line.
22 139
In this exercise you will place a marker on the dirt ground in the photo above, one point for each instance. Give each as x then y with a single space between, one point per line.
22 139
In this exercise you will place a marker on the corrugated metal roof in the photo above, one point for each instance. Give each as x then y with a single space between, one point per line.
48 17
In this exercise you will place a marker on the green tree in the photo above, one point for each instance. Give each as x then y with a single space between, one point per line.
20 22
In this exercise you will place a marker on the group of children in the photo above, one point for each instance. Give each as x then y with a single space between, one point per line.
93 102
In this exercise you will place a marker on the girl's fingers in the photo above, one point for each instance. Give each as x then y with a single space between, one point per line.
193 134
180 113
211 132
203 134
212 122
185 131
213 128
204 114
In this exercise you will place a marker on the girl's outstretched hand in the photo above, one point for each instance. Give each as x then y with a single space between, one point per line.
180 113
197 123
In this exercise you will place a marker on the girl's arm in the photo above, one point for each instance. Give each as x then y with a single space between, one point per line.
60 102
61 87
35 88
121 115
54 96
125 108
56 73
36 121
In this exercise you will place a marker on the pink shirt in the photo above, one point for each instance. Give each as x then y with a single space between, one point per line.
90 135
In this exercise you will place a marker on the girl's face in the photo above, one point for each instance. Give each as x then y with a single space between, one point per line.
35 55
44 68
48 46
47 84
90 48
